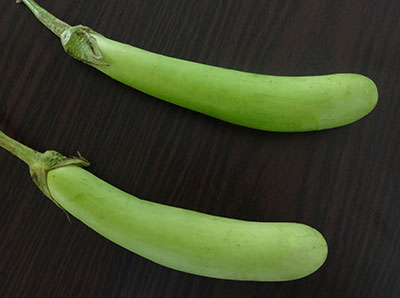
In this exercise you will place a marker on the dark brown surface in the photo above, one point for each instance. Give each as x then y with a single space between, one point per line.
344 182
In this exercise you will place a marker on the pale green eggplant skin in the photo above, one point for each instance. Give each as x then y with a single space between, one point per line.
186 240
181 239
264 102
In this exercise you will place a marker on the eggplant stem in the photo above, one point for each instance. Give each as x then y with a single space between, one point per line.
54 24
24 153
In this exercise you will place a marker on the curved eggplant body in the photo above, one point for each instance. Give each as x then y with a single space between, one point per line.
185 240
265 102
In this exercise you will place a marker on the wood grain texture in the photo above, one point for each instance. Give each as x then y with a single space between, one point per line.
344 182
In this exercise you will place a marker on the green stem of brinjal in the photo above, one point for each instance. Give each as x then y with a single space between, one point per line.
24 153
50 21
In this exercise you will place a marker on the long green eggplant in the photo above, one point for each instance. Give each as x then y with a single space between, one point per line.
265 102
181 239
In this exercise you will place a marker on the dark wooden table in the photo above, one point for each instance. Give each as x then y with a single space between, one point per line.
344 181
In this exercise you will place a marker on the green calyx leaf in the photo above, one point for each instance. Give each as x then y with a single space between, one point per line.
79 43
48 161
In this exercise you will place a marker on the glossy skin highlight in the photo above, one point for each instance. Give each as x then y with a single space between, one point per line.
264 102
